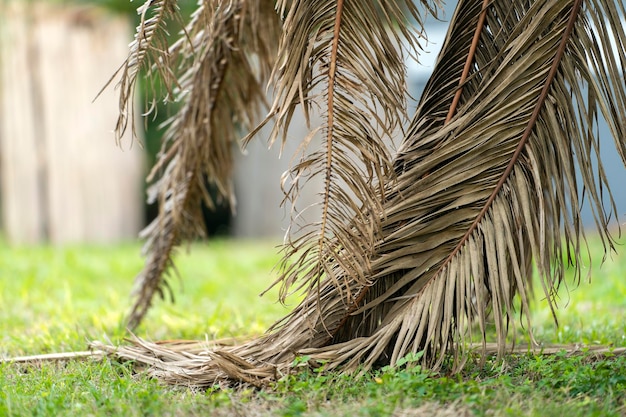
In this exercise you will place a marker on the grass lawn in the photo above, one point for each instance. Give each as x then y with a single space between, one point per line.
58 299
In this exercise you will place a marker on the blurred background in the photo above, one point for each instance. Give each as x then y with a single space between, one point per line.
62 177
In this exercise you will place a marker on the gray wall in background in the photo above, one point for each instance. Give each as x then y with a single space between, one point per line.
258 174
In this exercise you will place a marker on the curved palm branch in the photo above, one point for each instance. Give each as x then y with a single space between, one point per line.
486 181
343 57
483 184
215 71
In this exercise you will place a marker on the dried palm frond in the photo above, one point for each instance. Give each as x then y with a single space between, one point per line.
483 184
147 51
487 183
200 364
345 58
215 71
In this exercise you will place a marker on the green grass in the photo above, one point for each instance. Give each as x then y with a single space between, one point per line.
57 299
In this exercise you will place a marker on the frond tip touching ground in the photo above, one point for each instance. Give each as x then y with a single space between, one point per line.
198 365
215 72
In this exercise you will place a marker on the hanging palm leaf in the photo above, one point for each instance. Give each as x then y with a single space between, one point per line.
483 184
485 187
342 57
146 51
215 71
486 180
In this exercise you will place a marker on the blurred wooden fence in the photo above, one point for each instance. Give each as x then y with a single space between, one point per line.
62 177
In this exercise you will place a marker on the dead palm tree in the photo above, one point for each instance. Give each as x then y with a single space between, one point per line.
413 250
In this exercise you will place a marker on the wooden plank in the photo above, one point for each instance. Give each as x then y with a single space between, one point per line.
20 157
89 189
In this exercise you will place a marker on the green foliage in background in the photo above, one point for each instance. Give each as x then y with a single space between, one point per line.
58 299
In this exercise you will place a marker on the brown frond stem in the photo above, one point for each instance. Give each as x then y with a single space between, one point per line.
332 72
469 60
170 240
468 63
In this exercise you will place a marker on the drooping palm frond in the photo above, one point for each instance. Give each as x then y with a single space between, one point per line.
483 184
216 70
344 58
487 183
146 52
